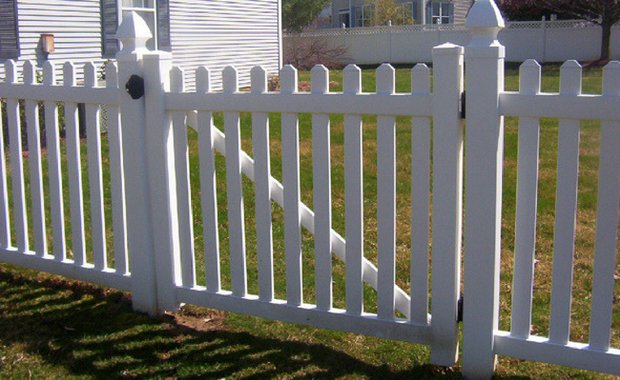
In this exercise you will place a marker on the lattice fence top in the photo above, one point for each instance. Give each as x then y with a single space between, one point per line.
376 30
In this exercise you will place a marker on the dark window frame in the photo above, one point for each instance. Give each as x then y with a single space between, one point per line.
109 20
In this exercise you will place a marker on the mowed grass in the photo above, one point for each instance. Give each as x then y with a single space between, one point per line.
55 328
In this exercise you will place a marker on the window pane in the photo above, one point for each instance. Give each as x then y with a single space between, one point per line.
344 18
138 3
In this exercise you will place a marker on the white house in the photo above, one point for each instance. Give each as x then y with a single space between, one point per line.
213 33
357 13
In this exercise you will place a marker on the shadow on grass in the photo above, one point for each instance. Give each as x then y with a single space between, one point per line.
88 331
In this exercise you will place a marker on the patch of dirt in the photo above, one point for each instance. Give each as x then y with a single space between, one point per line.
211 320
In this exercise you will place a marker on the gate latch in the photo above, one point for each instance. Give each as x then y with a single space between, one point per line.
135 87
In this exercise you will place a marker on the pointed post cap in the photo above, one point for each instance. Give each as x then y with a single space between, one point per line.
133 32
484 21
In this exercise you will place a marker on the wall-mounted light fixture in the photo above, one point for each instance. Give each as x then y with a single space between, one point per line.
47 43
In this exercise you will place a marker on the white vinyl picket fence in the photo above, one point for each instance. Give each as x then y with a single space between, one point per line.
152 210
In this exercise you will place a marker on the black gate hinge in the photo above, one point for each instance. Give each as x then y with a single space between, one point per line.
459 317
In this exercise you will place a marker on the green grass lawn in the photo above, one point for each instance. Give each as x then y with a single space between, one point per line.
52 328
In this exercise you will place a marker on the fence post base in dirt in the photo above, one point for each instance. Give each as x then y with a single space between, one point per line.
484 59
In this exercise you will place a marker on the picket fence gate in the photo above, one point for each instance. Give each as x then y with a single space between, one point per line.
152 211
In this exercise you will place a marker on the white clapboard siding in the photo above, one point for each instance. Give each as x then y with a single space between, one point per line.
75 24
219 33
212 33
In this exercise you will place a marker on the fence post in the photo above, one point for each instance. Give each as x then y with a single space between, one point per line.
484 58
162 179
447 201
133 33
149 169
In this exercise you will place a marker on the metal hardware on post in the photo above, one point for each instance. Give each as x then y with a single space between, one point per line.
463 105
135 87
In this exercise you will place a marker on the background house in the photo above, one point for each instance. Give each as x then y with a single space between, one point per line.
215 33
357 13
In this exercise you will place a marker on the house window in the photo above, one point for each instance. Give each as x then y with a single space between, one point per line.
364 15
441 13
344 18
156 13
145 9
9 37
405 14
367 15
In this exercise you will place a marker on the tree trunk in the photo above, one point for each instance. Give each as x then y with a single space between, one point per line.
606 41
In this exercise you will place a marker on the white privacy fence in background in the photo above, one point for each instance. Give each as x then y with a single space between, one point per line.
545 41
145 203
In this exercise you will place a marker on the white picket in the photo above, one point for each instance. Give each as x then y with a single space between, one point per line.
95 171
420 200
290 175
181 164
208 187
75 171
322 194
354 196
447 201
52 133
565 211
607 220
117 176
234 189
5 222
386 198
262 174
17 166
34 162
527 186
